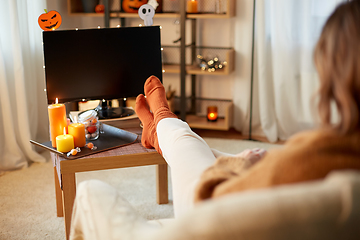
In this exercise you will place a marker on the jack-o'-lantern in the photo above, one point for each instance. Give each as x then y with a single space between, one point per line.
132 6
49 21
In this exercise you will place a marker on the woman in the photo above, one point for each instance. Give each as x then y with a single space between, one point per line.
198 173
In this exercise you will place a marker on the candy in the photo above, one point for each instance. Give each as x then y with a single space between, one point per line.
90 145
91 129
73 152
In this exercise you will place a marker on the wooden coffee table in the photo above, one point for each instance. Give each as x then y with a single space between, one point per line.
132 155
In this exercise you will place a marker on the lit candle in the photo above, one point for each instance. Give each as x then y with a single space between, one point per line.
57 120
65 142
212 113
192 6
77 130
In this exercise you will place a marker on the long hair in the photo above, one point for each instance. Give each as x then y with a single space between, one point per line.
337 59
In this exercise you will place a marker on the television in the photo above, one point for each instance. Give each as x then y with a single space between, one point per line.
101 64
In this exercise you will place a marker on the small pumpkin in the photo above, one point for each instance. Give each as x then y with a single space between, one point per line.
49 21
132 6
100 8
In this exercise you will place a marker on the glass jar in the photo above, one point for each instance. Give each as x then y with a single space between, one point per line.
92 125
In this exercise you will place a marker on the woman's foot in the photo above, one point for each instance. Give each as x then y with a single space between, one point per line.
149 136
156 98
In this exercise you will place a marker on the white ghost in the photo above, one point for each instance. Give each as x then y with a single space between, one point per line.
146 13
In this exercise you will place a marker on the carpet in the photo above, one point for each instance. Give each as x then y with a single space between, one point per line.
27 196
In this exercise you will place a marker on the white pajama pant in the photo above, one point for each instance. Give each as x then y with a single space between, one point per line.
188 155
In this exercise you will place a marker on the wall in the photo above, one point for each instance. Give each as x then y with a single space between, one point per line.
235 32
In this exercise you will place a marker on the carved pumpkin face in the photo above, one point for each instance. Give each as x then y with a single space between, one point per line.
50 20
132 6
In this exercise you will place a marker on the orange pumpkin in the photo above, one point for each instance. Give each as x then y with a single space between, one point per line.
49 20
132 6
100 8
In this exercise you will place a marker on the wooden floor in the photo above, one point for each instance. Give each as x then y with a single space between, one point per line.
230 134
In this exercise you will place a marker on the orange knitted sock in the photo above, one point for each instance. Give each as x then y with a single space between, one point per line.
149 136
156 98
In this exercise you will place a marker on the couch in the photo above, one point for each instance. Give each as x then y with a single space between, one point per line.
322 209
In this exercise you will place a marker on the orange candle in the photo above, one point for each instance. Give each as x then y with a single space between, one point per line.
212 114
77 130
57 120
64 143
192 6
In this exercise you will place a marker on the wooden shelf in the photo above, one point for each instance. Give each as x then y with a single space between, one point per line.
75 9
135 15
201 122
157 15
193 69
175 68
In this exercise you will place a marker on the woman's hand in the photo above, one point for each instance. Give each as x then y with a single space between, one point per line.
252 155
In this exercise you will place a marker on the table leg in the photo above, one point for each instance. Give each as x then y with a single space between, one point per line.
58 194
162 184
69 191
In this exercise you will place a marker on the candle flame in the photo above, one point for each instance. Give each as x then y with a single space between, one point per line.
64 131
56 101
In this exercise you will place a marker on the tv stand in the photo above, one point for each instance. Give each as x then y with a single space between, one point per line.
106 111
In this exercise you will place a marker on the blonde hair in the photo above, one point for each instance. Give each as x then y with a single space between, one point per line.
337 59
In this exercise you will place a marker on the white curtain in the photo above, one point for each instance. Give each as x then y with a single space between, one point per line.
23 109
285 78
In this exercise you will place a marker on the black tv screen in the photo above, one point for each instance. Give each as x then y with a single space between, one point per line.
95 64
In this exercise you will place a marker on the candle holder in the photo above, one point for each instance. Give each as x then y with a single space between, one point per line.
192 6
212 113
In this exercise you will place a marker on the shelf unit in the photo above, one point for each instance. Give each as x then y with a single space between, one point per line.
75 9
182 68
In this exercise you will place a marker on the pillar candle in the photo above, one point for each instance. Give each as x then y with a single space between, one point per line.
77 130
64 143
57 120
192 6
